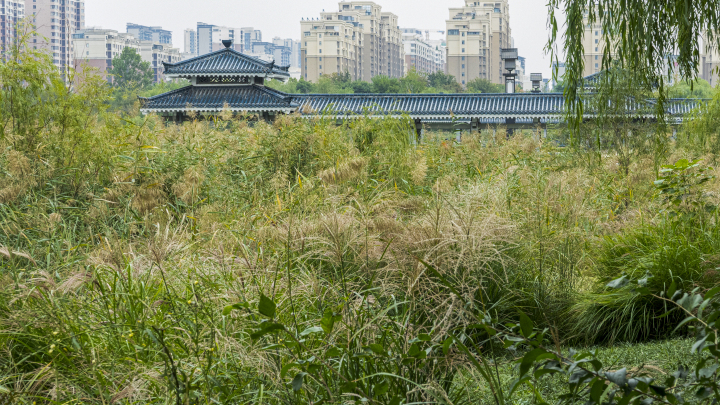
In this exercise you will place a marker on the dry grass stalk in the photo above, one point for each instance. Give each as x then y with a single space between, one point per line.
9 254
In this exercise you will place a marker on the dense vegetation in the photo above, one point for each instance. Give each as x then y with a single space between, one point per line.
228 260
412 82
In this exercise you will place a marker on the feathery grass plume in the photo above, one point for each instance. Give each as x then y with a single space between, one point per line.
11 193
226 114
192 114
419 172
147 198
188 187
18 164
10 254
346 170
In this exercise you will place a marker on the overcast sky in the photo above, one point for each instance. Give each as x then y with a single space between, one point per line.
528 18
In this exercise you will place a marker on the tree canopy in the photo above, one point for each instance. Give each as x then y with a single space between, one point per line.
484 86
413 82
640 35
130 71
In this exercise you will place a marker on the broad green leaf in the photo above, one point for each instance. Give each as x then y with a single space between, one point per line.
377 348
618 378
333 352
297 382
526 325
266 306
314 329
710 294
618 283
382 388
286 368
266 328
529 359
597 390
348 387
446 345
414 350
228 309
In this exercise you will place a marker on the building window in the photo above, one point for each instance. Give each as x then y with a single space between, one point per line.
463 81
596 65
463 66
320 66
453 32
463 58
596 57
596 41
321 59
463 50
463 42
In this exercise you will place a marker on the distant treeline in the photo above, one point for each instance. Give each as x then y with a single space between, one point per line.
412 82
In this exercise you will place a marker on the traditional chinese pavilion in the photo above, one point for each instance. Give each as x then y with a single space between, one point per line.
227 79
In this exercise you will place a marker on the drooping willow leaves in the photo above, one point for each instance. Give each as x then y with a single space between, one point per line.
641 36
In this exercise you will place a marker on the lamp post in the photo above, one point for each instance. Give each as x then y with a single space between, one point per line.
510 56
536 79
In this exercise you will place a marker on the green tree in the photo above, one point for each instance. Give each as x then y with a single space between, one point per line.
384 84
129 71
484 86
332 84
638 33
361 87
413 82
305 87
691 89
444 83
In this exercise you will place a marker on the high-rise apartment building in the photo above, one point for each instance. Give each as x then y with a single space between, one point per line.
249 36
358 39
710 63
293 46
56 21
153 34
191 45
156 54
475 35
11 13
97 47
422 54
210 37
593 47
270 51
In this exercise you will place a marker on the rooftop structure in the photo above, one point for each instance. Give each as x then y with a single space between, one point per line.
230 80
223 79
421 53
475 35
97 47
56 22
359 39
11 13
152 34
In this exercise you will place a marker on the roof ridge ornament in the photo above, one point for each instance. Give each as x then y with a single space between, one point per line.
227 43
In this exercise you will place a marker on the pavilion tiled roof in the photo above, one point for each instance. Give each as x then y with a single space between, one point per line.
434 105
489 107
215 98
225 62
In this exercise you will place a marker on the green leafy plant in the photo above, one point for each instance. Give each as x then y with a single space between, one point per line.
681 187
